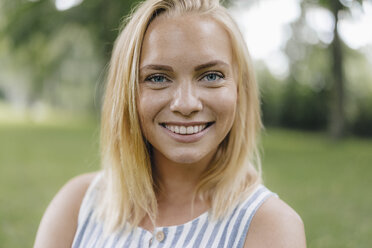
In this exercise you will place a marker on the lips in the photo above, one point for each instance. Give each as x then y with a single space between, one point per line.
186 128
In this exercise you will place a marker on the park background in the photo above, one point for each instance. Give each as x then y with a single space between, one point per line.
313 60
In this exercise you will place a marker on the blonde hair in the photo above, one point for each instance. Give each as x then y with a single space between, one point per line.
128 194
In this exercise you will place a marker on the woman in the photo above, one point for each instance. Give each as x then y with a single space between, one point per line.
179 134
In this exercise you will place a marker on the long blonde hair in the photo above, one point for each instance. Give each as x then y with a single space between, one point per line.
128 192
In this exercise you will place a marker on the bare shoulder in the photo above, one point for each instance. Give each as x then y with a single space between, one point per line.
58 225
276 225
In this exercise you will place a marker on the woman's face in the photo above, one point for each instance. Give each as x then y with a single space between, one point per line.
187 92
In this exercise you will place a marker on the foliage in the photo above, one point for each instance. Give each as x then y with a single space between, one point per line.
58 50
310 96
272 98
101 18
295 105
362 124
303 107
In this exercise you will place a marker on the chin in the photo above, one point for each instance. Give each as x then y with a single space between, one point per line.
190 157
184 155
186 159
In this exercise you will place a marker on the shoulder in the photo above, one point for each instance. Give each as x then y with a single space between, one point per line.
59 223
275 225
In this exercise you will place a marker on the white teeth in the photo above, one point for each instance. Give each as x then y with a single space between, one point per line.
190 130
185 130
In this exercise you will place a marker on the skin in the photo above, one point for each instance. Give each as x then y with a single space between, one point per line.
181 76
180 92
59 223
189 76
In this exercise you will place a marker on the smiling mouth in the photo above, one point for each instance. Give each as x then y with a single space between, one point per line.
186 130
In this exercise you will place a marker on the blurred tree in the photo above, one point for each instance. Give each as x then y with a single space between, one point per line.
30 26
337 122
24 19
332 72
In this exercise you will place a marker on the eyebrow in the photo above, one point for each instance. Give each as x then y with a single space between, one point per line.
157 67
197 68
210 64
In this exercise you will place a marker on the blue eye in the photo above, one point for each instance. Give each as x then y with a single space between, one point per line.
212 77
157 79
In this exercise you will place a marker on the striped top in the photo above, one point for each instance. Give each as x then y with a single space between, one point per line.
228 232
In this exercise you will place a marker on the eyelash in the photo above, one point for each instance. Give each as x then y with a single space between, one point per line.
218 74
150 78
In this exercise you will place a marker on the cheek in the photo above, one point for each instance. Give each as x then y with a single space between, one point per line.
149 105
144 112
226 107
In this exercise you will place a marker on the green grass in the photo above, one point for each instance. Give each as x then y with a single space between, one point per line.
327 183
35 161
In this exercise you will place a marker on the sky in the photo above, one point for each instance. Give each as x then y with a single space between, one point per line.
265 26
66 4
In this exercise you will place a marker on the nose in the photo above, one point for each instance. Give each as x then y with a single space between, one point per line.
186 100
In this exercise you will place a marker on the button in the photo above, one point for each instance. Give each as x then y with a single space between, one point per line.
160 236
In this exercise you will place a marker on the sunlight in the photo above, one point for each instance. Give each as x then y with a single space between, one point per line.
62 5
264 24
266 31
322 21
356 29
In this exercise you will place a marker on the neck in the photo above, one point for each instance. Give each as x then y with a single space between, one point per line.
177 181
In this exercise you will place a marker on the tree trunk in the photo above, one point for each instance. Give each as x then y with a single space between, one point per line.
337 117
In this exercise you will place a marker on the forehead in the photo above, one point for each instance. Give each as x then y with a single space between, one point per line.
188 37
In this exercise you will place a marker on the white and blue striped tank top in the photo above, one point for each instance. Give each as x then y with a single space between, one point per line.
201 232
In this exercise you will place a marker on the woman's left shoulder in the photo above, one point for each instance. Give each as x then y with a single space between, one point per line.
276 224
